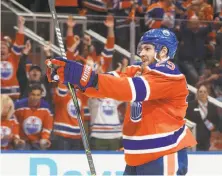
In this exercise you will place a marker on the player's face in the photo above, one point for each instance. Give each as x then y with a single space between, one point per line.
35 75
35 97
202 94
4 51
147 53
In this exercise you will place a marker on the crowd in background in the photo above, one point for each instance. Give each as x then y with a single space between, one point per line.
37 115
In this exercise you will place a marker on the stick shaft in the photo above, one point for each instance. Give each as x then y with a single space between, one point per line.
72 90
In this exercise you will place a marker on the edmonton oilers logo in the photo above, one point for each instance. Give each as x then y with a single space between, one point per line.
72 109
5 133
32 125
6 70
166 33
107 106
136 111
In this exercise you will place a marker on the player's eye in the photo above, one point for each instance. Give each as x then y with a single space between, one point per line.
147 48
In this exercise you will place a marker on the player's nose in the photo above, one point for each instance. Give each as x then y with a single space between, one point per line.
142 53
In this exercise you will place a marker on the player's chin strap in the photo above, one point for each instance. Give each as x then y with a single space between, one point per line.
158 60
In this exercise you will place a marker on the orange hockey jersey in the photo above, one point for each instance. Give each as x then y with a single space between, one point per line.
66 123
157 12
9 130
67 3
154 124
35 124
9 82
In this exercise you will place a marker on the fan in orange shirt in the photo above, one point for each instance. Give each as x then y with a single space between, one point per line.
9 128
35 119
10 62
66 128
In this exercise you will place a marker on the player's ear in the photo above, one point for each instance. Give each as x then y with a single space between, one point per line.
163 53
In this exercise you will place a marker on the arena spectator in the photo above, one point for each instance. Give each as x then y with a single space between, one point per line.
35 119
10 55
34 76
160 14
192 49
204 114
9 130
66 128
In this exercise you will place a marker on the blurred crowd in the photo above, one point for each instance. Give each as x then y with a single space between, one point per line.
37 115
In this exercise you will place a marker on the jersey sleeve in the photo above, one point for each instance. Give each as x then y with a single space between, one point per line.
18 45
130 71
47 124
152 12
142 88
107 54
17 113
60 92
15 129
85 107
125 4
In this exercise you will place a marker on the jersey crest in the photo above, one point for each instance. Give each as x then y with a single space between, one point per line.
32 125
5 133
71 108
136 111
107 107
6 70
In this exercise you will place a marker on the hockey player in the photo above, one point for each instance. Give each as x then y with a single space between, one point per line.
155 137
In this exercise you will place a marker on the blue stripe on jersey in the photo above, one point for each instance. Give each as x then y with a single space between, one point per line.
10 90
62 92
99 124
17 49
108 52
140 88
105 131
153 143
23 103
65 128
86 110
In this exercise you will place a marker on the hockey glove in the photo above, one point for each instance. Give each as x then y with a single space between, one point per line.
72 72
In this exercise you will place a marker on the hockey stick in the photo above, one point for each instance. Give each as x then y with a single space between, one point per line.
72 89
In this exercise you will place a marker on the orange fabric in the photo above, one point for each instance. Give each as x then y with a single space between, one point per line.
44 116
105 60
67 3
155 23
171 164
85 105
204 12
11 64
64 110
125 4
9 127
162 113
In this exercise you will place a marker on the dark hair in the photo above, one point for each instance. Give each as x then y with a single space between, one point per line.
35 86
200 85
